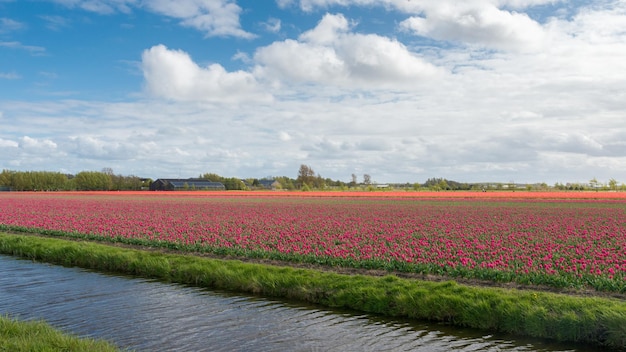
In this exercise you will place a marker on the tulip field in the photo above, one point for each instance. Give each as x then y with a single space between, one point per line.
575 240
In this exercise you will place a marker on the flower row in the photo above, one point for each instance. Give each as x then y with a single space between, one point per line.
572 238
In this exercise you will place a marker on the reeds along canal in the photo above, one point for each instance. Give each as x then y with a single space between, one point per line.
144 315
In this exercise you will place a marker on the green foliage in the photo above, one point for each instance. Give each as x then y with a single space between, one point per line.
33 180
128 183
600 321
308 178
93 181
38 336
234 183
441 184
563 281
230 183
286 182
55 181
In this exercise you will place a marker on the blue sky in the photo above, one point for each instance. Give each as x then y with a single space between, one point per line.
402 90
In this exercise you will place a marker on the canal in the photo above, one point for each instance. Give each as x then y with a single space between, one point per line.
145 315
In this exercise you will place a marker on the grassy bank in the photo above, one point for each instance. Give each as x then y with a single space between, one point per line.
600 321
38 336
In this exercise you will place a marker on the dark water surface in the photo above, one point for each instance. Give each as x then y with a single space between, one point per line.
144 315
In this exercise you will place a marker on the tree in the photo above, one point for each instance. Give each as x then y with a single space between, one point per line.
127 183
230 183
613 184
353 183
233 183
33 180
286 182
334 183
5 178
594 183
212 177
93 181
306 176
318 182
367 179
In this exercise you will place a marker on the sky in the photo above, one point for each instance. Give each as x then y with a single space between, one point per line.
518 91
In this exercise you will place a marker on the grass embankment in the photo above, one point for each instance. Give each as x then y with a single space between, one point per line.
38 336
595 320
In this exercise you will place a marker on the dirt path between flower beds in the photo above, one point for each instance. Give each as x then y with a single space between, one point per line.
358 271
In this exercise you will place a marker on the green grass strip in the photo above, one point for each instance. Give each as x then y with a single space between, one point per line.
562 280
594 320
17 336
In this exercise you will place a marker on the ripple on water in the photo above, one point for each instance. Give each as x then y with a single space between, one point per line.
145 315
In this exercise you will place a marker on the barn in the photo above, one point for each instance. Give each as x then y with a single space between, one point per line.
189 184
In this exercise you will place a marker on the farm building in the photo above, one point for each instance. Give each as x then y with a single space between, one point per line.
269 184
176 184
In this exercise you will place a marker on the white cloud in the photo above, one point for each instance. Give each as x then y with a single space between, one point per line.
284 3
37 146
479 24
574 143
598 25
5 144
55 23
330 54
33 49
214 17
104 7
9 25
491 24
284 136
172 74
309 5
549 107
523 4
412 6
272 25
9 75
101 149
327 30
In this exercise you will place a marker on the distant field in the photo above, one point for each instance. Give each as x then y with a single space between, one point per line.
562 239
368 194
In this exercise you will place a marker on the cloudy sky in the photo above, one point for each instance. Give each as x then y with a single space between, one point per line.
402 90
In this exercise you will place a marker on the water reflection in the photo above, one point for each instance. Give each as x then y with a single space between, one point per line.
144 315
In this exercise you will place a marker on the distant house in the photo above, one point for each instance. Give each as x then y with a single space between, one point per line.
269 184
189 184
5 189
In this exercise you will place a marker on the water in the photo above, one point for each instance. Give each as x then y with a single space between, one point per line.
144 315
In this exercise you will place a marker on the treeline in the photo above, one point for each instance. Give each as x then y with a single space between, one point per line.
238 184
443 185
307 179
83 181
230 183
274 182
439 184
